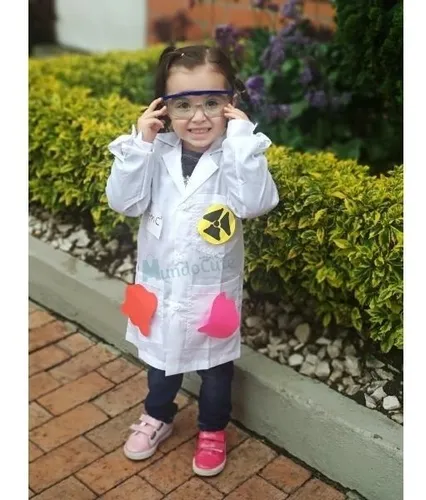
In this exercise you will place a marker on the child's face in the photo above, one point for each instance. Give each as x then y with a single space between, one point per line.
200 131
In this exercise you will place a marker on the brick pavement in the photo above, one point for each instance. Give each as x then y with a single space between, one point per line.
84 395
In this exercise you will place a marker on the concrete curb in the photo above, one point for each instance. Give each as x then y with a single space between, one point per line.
348 443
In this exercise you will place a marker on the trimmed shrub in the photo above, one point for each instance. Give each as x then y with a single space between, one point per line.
336 235
69 162
125 73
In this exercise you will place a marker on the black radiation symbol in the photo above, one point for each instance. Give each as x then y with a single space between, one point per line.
218 225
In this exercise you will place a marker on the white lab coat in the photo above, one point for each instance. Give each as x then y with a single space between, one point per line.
173 261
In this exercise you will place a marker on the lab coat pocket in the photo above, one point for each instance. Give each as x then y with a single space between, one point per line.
152 314
213 225
214 313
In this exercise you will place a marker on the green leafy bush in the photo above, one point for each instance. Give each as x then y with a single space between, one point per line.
69 162
336 234
128 74
371 32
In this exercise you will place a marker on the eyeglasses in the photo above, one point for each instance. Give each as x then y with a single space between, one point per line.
181 107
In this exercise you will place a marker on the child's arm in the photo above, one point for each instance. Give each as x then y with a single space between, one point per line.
251 190
129 185
128 188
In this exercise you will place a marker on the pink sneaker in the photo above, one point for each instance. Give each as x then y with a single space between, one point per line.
210 455
146 437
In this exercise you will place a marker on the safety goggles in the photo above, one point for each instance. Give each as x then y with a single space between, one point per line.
182 106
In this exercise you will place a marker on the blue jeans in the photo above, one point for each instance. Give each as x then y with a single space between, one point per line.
214 405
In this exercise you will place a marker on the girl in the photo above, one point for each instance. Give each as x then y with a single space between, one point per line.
192 170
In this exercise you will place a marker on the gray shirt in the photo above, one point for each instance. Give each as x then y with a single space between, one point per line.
189 162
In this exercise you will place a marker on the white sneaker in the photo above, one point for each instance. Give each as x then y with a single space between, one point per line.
145 438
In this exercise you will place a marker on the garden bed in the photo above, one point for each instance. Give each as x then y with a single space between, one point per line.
340 358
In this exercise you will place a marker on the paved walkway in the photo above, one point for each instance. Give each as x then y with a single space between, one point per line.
84 396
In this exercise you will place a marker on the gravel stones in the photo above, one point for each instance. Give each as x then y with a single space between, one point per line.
378 394
126 266
323 341
253 322
307 369
295 360
391 403
80 238
398 417
353 366
112 246
372 362
302 333
323 370
333 351
369 402
335 376
282 321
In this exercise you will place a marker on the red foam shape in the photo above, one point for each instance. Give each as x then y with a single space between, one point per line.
140 306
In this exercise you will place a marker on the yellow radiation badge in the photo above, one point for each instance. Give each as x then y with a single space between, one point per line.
217 225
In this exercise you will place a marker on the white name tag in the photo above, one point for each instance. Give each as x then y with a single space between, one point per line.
154 222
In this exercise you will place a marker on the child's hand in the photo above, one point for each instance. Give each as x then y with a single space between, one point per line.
234 114
149 123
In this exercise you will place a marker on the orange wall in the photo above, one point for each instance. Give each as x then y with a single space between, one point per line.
199 22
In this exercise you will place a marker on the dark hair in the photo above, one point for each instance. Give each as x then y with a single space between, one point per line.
191 57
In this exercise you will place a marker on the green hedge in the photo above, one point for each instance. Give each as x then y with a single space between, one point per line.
69 162
336 235
128 74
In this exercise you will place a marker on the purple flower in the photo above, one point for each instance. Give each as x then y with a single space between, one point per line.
255 83
274 55
288 29
317 99
292 9
255 86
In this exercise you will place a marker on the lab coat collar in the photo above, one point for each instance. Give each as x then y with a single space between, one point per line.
205 168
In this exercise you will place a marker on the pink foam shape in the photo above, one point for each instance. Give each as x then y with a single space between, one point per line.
224 318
